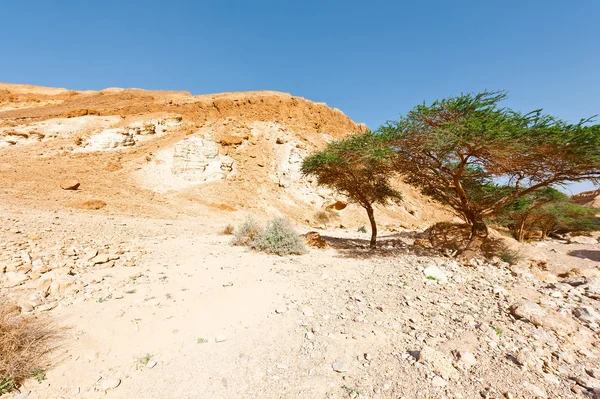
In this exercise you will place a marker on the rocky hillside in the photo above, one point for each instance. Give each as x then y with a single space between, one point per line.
163 154
588 198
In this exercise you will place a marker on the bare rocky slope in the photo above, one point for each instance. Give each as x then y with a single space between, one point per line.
163 154
588 198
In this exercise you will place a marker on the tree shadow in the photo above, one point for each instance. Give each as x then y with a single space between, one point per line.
441 239
586 254
390 245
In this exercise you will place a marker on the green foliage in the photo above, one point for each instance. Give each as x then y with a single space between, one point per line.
362 229
7 384
549 211
498 331
202 340
458 150
457 147
521 215
566 216
358 167
38 374
279 238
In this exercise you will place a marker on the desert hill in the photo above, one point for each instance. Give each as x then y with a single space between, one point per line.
588 198
162 153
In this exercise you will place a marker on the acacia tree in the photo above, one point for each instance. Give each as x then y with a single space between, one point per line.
457 149
564 217
524 213
357 168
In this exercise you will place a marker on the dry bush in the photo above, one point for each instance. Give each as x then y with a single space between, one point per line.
325 217
25 347
279 238
247 233
228 230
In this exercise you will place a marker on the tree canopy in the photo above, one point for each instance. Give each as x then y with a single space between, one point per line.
358 168
459 149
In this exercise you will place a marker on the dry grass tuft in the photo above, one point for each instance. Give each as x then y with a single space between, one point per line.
26 344
228 230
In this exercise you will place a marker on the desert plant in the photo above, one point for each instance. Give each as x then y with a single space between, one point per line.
458 150
25 346
247 232
362 229
521 215
323 217
279 238
357 168
510 256
228 230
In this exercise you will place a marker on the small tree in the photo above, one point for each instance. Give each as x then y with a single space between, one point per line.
357 168
459 149
524 213
564 217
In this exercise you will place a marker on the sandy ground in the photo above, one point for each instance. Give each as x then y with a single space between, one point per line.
285 321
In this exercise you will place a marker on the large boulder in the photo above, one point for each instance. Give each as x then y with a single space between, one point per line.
542 317
583 240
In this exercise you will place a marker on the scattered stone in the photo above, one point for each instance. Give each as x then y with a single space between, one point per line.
466 358
586 314
308 312
22 395
593 372
534 390
89 255
592 287
436 273
439 382
339 367
541 317
220 338
100 258
281 309
70 184
439 362
151 364
14 279
110 383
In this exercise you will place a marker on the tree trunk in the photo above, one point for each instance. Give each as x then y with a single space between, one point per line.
479 233
373 243
521 233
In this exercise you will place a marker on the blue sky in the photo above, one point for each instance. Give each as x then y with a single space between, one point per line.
372 59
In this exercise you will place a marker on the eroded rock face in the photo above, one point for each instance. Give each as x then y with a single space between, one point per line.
197 159
110 139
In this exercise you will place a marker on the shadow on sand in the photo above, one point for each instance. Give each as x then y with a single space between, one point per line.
390 245
586 254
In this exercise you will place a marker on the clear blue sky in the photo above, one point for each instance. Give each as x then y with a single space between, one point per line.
372 59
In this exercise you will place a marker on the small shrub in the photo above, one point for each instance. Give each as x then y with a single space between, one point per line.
323 218
25 347
279 238
510 256
247 233
228 230
362 229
